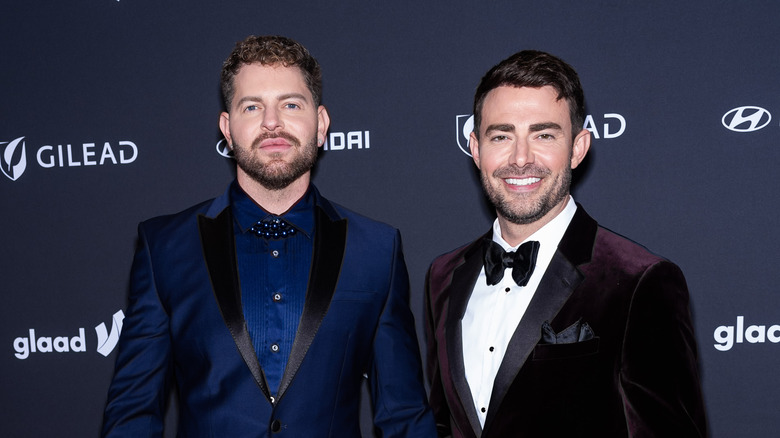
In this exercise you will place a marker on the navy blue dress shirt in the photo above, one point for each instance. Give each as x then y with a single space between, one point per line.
274 277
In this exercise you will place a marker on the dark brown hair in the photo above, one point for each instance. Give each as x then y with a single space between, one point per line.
534 69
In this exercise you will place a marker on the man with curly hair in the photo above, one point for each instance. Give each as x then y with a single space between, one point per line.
269 306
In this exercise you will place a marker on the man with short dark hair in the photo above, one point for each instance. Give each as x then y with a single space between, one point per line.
268 306
550 325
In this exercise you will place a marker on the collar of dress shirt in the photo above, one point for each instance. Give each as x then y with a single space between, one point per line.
247 212
548 236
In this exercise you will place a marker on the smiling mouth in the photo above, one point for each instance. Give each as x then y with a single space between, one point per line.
522 181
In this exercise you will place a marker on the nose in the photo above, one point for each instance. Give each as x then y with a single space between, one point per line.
271 119
521 153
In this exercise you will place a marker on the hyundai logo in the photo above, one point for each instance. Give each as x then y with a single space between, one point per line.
746 119
223 149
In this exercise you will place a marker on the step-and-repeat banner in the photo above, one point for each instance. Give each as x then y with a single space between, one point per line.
109 116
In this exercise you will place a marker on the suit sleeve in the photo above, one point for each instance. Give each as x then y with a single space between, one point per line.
138 392
437 398
659 374
398 393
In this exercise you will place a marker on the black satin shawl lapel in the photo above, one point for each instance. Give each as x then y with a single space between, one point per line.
463 279
330 239
555 288
219 251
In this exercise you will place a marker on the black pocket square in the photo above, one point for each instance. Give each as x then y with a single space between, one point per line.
577 332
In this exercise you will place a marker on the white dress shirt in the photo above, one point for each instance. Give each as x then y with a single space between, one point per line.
493 312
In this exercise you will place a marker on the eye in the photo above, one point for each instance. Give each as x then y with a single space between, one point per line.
291 105
546 136
250 108
498 138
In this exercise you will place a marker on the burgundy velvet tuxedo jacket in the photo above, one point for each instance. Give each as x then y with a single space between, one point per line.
637 377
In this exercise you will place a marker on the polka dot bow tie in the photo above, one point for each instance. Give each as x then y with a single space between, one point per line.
273 228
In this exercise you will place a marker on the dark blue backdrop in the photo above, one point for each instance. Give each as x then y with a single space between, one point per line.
114 105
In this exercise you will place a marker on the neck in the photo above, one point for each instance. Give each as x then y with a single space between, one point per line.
274 201
514 234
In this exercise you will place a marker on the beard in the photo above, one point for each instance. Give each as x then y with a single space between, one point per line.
524 209
275 173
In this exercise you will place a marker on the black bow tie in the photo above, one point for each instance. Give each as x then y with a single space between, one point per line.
273 228
521 261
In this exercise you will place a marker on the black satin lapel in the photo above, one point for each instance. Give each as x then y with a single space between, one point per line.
330 239
559 281
219 251
463 279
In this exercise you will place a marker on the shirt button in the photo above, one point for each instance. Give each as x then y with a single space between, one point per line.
507 290
491 349
277 297
273 399
483 410
274 348
275 253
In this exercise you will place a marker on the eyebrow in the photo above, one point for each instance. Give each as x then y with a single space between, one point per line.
501 127
536 127
281 97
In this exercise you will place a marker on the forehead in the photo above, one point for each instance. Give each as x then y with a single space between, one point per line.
258 79
524 105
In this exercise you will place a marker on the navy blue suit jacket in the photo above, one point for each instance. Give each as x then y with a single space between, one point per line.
185 323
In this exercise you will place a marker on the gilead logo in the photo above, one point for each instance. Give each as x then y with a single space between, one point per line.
727 335
36 342
13 155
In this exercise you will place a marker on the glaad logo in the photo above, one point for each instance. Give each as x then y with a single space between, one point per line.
34 343
612 128
106 341
14 158
727 335
746 119
45 344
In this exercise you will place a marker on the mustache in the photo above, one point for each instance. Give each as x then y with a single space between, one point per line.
515 171
281 134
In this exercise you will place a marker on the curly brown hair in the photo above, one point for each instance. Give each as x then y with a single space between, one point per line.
271 50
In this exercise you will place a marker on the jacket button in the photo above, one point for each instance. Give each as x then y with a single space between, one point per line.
276 426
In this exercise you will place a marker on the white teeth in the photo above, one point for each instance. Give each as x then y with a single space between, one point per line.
522 181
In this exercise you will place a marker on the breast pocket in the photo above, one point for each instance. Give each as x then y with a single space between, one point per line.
566 351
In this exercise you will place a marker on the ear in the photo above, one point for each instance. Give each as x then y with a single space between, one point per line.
474 148
323 122
580 148
224 126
